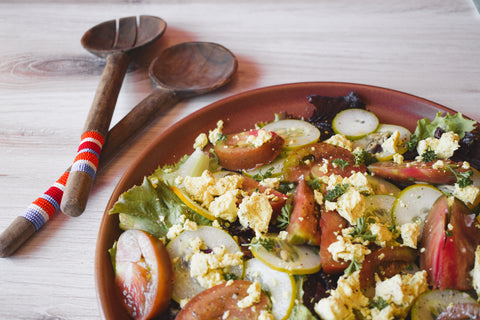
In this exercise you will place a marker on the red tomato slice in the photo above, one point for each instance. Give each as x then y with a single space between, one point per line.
410 172
331 224
304 226
143 274
236 153
450 236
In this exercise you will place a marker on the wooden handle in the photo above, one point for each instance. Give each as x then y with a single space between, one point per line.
15 235
23 227
139 118
96 127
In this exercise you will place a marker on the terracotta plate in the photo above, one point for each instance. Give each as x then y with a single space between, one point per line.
239 112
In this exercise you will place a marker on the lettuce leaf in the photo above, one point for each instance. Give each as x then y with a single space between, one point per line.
448 122
153 209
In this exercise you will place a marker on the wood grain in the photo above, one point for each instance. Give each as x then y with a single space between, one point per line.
48 81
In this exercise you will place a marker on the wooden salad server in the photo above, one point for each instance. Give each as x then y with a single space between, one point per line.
117 46
206 67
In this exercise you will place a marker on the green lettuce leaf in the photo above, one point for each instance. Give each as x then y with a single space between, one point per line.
153 209
448 122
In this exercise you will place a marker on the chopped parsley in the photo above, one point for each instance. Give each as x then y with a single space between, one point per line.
429 155
336 192
283 218
221 137
354 266
379 303
361 229
364 157
230 276
267 243
463 178
262 176
315 183
341 163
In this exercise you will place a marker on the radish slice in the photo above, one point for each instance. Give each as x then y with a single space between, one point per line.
355 123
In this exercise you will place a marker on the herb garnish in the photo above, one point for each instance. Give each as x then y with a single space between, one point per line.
315 183
262 176
361 229
283 218
336 192
354 266
463 178
267 243
380 303
340 162
429 155
364 157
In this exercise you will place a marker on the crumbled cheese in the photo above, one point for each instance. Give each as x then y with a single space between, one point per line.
225 206
254 293
215 135
410 233
282 235
201 141
341 141
401 290
343 300
272 183
318 197
439 164
266 315
174 231
255 212
190 225
345 249
476 272
360 182
226 183
208 268
381 232
351 205
260 138
443 147
391 144
467 194
197 187
398 158
465 165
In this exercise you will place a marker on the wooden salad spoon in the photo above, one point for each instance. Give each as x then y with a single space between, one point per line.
206 67
117 45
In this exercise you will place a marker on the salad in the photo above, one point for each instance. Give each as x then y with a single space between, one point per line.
337 216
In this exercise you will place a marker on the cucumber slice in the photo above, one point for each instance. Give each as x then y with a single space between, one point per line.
185 287
297 133
414 203
382 186
288 258
431 303
355 123
390 128
275 167
280 286
380 206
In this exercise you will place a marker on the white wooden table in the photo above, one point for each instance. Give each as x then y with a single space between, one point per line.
427 48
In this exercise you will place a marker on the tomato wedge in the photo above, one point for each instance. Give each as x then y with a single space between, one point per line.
331 224
143 274
237 152
450 236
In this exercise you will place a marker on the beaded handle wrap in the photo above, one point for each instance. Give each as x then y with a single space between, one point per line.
88 154
42 209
